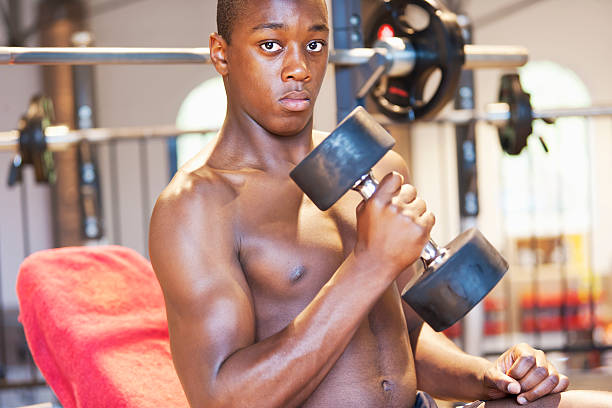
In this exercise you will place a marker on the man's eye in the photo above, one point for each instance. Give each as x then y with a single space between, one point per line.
315 46
270 46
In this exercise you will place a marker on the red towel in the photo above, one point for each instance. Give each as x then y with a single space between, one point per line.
95 321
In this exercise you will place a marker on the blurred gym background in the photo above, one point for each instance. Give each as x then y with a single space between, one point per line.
548 209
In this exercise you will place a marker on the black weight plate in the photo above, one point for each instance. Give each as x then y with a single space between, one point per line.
438 46
513 136
349 152
448 291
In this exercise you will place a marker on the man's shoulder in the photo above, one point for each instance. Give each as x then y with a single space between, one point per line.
194 195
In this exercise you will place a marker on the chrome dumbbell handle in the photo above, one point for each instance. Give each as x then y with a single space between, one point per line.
366 186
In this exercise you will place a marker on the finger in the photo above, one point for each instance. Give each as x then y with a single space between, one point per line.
427 220
505 383
524 360
543 388
388 187
562 385
505 361
416 208
538 373
407 193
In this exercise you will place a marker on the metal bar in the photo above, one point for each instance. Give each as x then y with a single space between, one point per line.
144 190
476 56
499 113
494 56
27 250
59 137
3 355
589 250
567 112
113 153
172 156
4 385
101 55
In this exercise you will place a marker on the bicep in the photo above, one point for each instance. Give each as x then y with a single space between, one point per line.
206 326
208 303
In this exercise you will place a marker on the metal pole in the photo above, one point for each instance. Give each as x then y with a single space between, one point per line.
494 56
499 113
349 52
101 55
465 134
60 137
348 37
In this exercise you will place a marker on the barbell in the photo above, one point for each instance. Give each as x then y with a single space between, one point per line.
512 115
476 56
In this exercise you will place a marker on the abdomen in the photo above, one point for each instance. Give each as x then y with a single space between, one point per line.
377 367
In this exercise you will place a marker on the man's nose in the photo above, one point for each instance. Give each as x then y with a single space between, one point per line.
295 65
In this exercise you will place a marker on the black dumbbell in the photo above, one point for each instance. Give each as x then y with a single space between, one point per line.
456 277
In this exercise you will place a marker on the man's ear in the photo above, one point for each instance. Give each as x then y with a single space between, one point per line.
218 53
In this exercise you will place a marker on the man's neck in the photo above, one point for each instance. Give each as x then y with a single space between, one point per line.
244 143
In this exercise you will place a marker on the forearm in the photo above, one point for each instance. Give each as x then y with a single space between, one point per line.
444 370
284 369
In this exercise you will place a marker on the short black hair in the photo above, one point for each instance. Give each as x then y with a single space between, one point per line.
228 11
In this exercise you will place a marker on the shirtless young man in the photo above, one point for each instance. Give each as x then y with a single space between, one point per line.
273 303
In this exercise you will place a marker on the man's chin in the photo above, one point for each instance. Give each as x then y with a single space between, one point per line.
293 125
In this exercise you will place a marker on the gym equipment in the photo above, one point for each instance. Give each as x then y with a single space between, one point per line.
59 137
431 32
95 322
455 277
476 56
513 115
514 132
391 58
33 143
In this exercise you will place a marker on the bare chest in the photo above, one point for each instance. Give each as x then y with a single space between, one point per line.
288 250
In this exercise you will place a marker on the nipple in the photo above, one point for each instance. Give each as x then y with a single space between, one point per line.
297 273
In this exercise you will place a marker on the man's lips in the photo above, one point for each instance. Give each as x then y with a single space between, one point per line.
295 101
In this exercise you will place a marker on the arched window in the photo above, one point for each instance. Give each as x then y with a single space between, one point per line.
203 108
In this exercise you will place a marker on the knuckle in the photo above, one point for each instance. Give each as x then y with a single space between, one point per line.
529 359
541 372
523 345
395 208
377 203
409 189
554 379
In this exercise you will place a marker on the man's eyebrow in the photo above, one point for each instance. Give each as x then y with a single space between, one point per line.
269 26
281 26
319 27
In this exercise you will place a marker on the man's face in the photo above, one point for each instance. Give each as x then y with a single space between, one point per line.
276 62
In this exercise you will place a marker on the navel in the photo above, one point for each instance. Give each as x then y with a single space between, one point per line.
387 386
297 273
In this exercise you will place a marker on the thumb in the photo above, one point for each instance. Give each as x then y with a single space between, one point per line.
388 186
504 382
